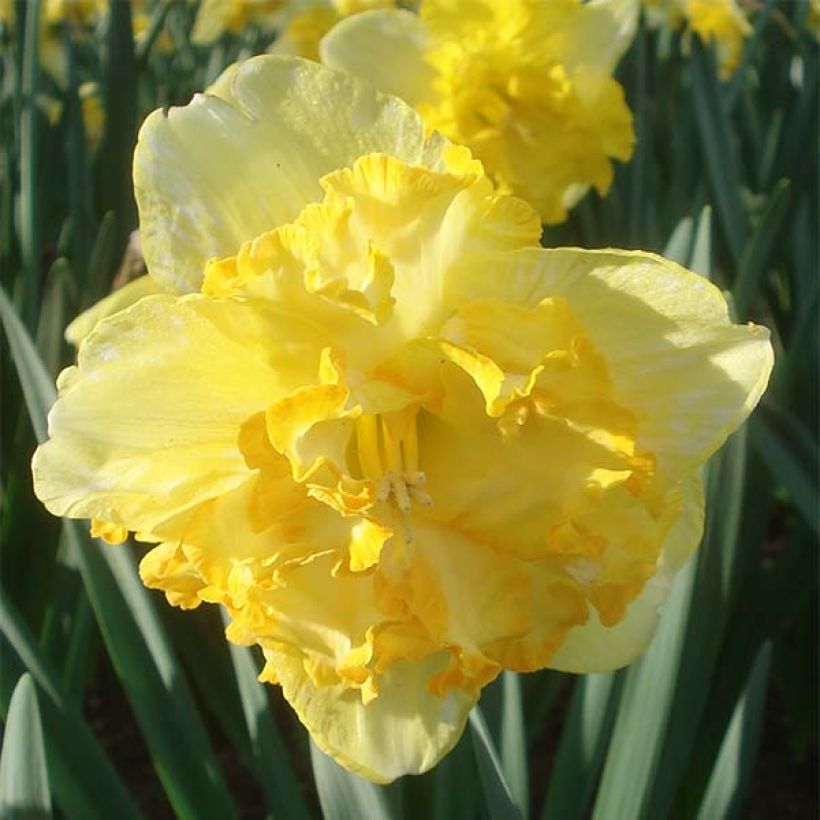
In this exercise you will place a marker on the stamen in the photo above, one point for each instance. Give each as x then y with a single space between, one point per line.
388 451
368 447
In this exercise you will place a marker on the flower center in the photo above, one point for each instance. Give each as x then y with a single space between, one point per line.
388 449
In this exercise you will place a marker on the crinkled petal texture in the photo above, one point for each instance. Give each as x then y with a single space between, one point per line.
248 154
526 85
404 446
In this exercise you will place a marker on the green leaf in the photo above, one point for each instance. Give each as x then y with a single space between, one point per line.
513 745
757 253
733 770
497 793
701 259
82 780
679 246
119 87
583 745
51 321
792 455
30 241
103 261
152 679
714 130
346 796
24 791
38 387
274 771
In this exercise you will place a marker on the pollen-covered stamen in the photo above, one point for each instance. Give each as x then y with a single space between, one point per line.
387 446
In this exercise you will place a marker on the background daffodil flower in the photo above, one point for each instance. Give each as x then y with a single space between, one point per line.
526 85
403 445
303 23
722 22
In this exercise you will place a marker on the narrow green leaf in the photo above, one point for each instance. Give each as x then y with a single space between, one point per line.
513 746
152 679
640 159
583 745
52 318
732 772
346 796
30 241
750 49
792 455
38 387
102 263
679 246
757 253
82 780
714 131
701 259
119 87
68 628
24 791
497 794
274 771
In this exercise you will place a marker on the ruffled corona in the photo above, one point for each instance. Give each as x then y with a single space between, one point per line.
405 447
525 84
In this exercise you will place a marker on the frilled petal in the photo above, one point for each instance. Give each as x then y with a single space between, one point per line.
405 730
120 299
386 47
673 354
247 156
146 424
593 647
606 33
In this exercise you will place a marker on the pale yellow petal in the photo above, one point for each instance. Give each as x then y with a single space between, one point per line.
405 730
120 299
247 156
385 48
146 425
596 648
676 361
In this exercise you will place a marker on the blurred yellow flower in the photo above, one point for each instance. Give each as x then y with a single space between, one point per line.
526 85
403 445
722 22
304 22
79 12
93 113
215 17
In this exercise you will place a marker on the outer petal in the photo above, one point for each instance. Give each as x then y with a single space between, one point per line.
385 47
120 299
596 648
248 155
146 425
674 356
405 730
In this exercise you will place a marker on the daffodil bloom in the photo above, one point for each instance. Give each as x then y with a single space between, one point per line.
526 85
215 17
303 23
403 445
722 22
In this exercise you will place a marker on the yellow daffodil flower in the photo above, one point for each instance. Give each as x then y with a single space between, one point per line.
215 17
722 22
304 22
402 444
525 84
